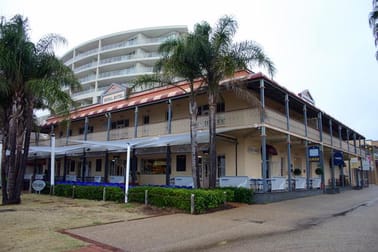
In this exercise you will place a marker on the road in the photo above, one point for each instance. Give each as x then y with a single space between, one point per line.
355 229
339 222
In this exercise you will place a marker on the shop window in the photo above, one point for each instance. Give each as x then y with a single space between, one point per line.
180 163
98 165
154 166
72 166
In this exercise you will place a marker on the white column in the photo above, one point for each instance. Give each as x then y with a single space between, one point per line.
127 172
52 169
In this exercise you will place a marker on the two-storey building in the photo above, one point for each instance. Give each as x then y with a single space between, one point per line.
279 140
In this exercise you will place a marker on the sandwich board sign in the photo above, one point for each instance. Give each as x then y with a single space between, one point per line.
38 185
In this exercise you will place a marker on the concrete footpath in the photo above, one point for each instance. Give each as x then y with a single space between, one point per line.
184 232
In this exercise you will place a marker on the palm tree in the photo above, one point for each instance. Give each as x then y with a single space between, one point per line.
373 17
180 61
220 58
31 78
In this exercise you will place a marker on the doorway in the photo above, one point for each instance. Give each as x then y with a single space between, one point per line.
203 163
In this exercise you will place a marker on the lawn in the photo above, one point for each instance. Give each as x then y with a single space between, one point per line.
34 224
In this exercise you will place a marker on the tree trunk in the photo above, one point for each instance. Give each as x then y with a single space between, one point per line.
212 140
4 167
193 109
16 143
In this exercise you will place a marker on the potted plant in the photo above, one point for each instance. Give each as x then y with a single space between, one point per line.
297 172
318 171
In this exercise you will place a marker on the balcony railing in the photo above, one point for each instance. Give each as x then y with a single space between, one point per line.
246 118
86 53
86 66
135 42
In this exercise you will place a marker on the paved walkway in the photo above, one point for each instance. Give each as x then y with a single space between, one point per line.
179 232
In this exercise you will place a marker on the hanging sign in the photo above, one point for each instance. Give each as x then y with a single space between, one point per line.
314 153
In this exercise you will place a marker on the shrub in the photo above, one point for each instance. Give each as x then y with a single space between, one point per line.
239 194
179 198
318 171
160 196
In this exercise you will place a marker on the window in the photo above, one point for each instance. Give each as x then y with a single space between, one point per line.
98 165
90 130
221 166
154 166
72 167
120 124
180 163
146 119
220 107
117 166
204 109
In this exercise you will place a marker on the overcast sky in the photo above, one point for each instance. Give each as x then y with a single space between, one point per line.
325 46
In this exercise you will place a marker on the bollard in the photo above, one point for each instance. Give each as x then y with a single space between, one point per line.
225 198
192 204
52 192
146 197
73 192
104 194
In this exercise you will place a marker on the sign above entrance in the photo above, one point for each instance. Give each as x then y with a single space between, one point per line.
314 153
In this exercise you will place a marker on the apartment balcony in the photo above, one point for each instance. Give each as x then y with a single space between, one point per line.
134 43
86 54
85 67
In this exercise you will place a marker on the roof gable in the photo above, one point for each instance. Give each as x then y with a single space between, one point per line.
305 95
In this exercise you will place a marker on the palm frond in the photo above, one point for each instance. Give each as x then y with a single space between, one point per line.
223 34
252 53
48 43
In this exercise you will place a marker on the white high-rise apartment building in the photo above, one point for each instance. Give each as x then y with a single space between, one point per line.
115 58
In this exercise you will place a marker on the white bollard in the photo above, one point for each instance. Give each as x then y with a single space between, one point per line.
146 197
104 194
192 204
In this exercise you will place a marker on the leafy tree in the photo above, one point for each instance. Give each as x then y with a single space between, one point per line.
180 61
220 58
31 77
373 17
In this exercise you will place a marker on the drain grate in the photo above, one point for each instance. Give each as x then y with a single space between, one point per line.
251 221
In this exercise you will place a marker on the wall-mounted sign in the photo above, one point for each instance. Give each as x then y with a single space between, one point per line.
365 165
38 185
314 153
354 163
338 158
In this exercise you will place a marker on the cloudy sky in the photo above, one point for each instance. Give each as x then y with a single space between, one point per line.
325 46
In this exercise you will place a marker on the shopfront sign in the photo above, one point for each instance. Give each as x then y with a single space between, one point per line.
314 153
